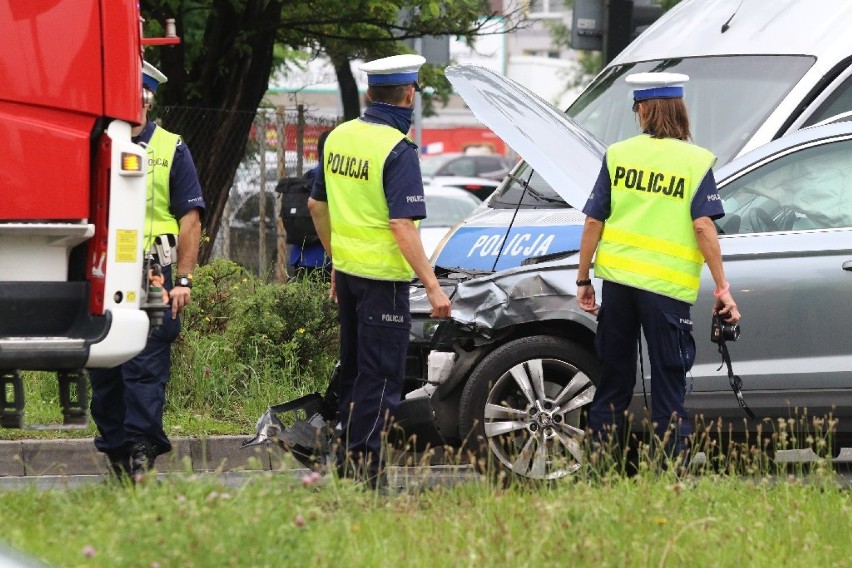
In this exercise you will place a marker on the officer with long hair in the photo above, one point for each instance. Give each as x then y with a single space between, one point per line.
650 219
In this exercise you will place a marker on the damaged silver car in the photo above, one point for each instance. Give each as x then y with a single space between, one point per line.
509 376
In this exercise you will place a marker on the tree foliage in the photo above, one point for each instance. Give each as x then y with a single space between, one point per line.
229 49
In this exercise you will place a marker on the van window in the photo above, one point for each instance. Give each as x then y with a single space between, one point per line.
838 102
728 97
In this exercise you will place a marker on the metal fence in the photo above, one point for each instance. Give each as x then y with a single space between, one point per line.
282 143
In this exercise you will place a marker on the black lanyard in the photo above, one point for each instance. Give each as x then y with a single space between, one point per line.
735 380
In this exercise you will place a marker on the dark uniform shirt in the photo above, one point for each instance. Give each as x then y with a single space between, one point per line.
705 203
184 189
401 178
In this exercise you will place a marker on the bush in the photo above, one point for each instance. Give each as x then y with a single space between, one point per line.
286 324
247 344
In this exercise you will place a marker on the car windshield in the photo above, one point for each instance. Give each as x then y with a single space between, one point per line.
728 99
528 187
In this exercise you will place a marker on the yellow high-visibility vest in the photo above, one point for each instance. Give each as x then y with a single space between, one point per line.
353 164
158 218
648 241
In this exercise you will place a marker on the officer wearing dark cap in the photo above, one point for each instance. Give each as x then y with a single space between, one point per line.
365 202
128 400
650 219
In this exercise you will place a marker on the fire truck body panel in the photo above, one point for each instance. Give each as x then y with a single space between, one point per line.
72 186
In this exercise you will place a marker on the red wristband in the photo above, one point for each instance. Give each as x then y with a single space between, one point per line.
718 293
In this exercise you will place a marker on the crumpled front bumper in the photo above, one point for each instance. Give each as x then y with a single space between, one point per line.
308 439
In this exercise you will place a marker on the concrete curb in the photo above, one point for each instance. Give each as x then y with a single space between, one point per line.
77 456
22 458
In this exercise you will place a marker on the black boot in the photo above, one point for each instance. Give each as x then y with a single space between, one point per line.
119 463
142 456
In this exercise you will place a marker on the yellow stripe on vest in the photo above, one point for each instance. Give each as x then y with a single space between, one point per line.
618 262
652 244
363 233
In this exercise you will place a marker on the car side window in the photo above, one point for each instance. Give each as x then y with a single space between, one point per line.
460 167
486 164
807 189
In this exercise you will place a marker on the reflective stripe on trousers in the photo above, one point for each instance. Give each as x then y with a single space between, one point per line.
374 331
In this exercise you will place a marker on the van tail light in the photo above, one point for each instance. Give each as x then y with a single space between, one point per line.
98 214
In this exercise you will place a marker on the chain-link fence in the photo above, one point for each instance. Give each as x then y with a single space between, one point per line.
282 143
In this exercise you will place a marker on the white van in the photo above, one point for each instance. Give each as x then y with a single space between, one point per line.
758 70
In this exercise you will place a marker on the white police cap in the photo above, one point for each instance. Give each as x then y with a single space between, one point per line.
152 77
394 70
657 85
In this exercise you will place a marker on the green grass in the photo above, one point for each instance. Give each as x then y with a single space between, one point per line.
247 345
650 520
199 402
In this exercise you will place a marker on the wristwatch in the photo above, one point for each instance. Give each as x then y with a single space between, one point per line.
584 282
184 280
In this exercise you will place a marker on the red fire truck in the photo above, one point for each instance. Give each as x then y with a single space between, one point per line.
73 285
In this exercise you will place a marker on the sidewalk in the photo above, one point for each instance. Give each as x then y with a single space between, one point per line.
22 458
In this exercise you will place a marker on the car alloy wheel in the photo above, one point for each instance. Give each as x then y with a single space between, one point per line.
522 407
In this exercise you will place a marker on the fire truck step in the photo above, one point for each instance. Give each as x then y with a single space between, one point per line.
74 397
12 400
73 401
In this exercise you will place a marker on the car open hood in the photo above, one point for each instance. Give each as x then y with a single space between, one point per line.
560 150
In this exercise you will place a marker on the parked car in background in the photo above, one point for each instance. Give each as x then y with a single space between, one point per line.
479 174
490 166
238 238
247 178
481 188
445 207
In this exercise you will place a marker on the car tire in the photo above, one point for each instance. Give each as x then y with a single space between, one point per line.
532 429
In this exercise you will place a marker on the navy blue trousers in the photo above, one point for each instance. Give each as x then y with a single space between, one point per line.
667 326
374 331
128 400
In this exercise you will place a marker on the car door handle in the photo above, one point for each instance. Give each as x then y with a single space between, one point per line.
847 265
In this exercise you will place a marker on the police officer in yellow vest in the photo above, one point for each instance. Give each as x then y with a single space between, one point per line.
365 202
127 401
650 217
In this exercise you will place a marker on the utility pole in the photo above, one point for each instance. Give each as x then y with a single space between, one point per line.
418 104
